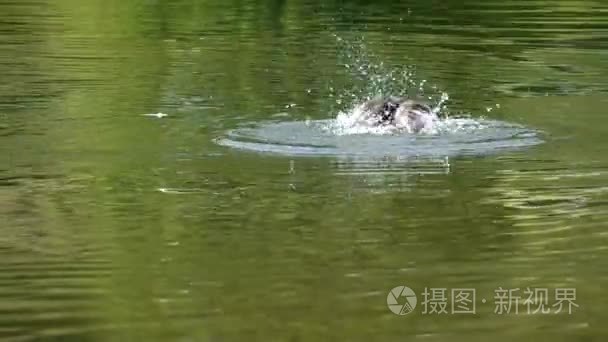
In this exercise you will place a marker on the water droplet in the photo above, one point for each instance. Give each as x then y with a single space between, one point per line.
292 168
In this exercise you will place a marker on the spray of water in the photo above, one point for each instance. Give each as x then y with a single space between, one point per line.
368 78
344 137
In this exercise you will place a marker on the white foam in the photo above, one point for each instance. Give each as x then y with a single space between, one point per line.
349 123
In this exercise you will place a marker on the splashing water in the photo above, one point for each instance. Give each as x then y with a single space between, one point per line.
348 122
343 136
367 79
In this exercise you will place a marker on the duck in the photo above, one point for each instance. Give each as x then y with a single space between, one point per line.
397 112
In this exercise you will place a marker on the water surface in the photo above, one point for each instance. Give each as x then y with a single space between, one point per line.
122 226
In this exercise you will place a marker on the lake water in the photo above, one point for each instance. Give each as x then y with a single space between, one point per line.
239 216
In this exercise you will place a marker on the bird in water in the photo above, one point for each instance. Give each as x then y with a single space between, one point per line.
398 112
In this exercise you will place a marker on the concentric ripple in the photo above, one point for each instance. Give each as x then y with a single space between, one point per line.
452 137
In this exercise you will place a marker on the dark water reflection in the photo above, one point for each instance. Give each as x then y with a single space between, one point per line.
118 226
